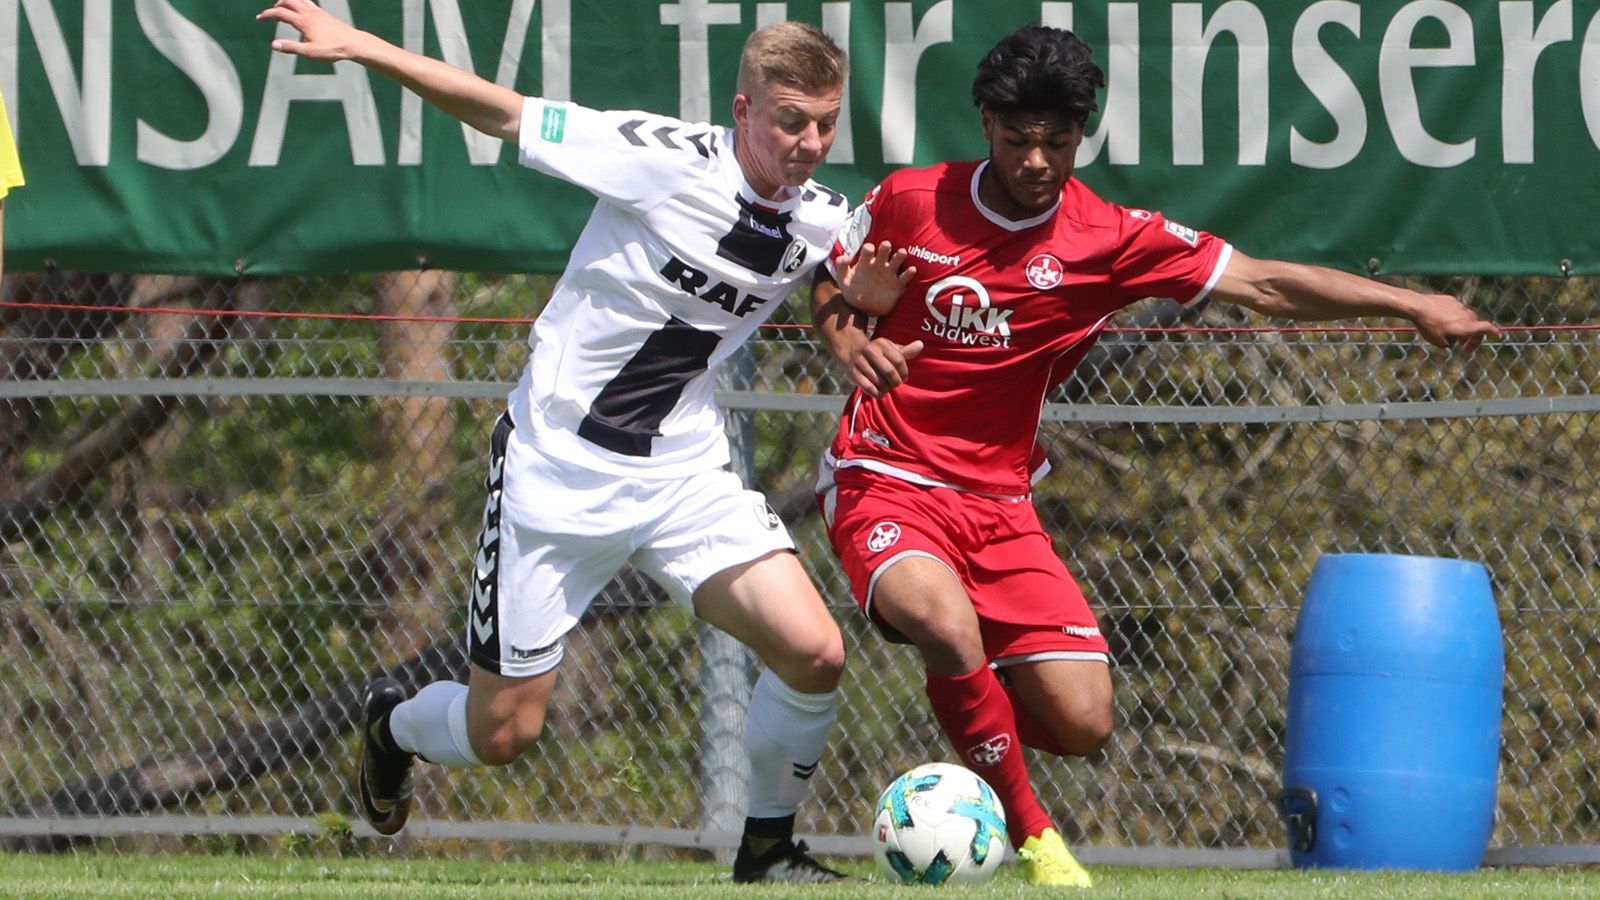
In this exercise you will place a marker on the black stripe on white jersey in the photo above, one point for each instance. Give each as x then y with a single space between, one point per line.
758 240
627 413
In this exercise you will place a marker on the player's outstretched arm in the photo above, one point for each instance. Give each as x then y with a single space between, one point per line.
1297 291
484 105
875 365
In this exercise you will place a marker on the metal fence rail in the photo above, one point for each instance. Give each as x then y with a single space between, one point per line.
216 525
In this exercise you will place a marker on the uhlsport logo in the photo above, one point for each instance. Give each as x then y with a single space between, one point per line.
960 311
1045 271
943 259
990 752
883 536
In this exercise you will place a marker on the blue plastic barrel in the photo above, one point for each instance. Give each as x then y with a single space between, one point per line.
1393 736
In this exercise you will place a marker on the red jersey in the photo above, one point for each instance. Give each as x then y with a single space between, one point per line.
1006 311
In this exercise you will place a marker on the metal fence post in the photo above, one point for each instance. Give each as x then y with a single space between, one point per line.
724 663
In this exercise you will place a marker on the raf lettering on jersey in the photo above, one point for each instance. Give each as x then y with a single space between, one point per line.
696 283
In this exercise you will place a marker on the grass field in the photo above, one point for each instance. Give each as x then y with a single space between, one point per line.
119 876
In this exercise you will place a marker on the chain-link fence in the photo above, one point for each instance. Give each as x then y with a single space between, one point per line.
219 520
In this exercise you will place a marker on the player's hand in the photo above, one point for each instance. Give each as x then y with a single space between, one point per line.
874 281
879 365
1444 321
323 36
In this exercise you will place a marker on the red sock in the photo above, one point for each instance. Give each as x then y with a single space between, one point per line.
976 715
1032 733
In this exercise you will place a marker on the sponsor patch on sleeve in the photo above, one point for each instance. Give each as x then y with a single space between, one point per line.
855 231
553 124
1183 233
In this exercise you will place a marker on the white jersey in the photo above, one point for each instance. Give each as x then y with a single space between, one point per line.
678 265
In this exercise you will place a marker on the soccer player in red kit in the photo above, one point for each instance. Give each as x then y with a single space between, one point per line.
990 280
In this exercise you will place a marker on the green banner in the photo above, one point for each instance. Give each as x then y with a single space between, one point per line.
1424 136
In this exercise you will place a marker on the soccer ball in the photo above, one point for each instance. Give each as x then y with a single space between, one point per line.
937 823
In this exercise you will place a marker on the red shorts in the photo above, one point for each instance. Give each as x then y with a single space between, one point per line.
1029 607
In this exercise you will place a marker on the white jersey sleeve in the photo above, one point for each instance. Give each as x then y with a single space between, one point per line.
626 157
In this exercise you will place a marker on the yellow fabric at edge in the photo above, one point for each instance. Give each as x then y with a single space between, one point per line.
10 165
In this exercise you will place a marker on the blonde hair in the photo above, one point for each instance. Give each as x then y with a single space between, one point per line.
791 53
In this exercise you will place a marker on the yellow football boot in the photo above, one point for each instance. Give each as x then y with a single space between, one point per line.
1046 860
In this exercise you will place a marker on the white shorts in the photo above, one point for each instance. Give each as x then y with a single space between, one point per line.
554 534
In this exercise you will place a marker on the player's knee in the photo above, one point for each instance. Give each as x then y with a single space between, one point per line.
816 666
828 662
949 645
1095 735
1086 733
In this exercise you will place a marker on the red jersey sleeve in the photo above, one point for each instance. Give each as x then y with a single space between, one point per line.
1158 257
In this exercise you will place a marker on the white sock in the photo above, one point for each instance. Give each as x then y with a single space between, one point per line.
433 725
784 733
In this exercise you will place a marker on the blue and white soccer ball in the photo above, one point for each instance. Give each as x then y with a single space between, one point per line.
939 823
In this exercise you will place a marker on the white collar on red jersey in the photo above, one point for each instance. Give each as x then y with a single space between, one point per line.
1002 221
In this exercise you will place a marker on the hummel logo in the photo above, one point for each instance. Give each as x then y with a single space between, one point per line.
804 772
483 628
485 560
481 614
834 197
767 230
663 135
520 653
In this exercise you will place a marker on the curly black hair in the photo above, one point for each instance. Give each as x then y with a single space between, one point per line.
1039 69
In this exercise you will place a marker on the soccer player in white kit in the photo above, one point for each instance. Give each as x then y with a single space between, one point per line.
612 450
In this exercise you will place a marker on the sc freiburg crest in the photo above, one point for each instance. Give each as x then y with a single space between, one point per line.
794 257
767 516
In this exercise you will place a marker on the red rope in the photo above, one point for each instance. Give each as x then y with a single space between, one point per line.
496 320
259 314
